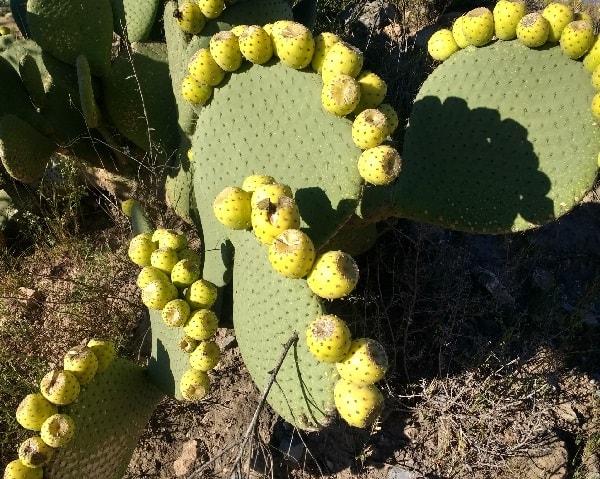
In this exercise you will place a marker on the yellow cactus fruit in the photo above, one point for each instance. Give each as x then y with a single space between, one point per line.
211 8
295 45
340 95
372 90
275 30
201 325
203 67
478 26
592 58
342 58
270 219
328 338
34 452
358 405
190 18
58 430
271 190
333 275
232 208
82 362
577 38
457 33
292 253
33 410
194 385
442 45
127 206
256 45
596 106
105 352
365 362
507 14
533 30
559 16
583 16
194 91
391 115
252 182
225 50
596 78
380 165
205 356
238 30
17 470
323 42
369 128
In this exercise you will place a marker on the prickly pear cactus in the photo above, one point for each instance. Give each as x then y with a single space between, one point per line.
134 19
110 414
500 139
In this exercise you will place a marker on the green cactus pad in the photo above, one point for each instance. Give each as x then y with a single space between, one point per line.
24 151
179 184
267 309
18 9
89 108
500 139
134 19
138 101
67 28
33 79
110 415
269 120
6 41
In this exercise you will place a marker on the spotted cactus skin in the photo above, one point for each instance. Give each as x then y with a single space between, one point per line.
33 410
185 272
141 248
328 338
158 293
533 30
558 16
577 38
58 430
104 351
232 208
164 259
225 49
342 58
34 452
82 362
478 26
206 356
60 387
369 128
295 46
359 405
507 14
194 385
269 220
292 253
380 165
365 362
256 45
17 470
201 294
340 95
202 324
176 313
333 275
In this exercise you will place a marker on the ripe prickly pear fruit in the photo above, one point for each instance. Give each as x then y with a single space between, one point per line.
256 45
194 385
274 30
340 95
168 238
252 182
596 107
189 254
358 405
17 470
238 30
271 190
58 430
33 410
323 42
442 45
533 30
596 78
202 324
175 313
141 248
203 67
270 219
34 452
507 14
201 294
369 128
592 58
328 338
127 206
577 38
206 356
157 293
372 90
478 26
391 116
232 208
225 50
60 387
365 363
149 273
457 33
292 253
164 259
558 16
184 273
82 362
105 352
295 45
4 31
211 8
187 344
190 18
380 165
342 58
194 91
333 275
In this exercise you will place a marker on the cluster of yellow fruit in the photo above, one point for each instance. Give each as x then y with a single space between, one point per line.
556 23
170 283
360 363
268 208
346 89
39 412
192 16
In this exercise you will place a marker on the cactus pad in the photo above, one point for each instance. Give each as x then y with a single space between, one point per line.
269 120
134 19
111 413
138 102
67 28
23 150
267 309
89 108
500 139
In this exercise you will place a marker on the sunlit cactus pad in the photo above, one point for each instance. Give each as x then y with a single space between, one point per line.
110 414
500 139
269 120
267 309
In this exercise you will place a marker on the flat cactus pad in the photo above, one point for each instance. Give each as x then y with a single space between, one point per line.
267 309
269 120
500 139
110 414
134 19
